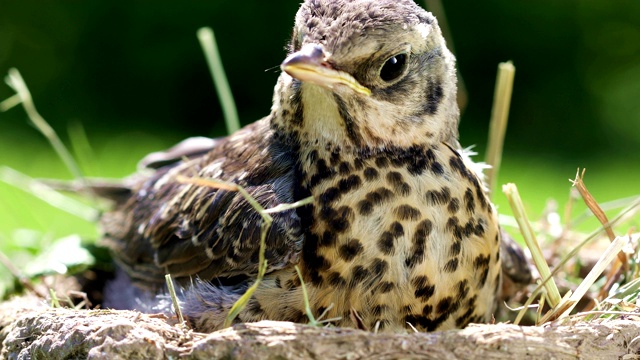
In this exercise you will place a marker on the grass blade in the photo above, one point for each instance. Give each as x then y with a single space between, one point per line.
210 48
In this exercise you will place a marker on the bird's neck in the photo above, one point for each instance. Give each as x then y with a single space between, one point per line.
319 125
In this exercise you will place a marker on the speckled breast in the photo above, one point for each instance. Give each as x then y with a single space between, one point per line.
401 237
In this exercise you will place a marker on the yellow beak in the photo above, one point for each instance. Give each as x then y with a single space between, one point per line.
309 65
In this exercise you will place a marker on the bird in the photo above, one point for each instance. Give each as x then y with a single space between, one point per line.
400 234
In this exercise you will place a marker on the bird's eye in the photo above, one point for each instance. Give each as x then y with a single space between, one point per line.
393 67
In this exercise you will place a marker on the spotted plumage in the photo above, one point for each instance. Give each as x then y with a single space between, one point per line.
400 233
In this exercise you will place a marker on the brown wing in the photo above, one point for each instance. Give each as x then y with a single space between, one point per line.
168 226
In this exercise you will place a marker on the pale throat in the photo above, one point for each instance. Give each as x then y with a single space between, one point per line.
322 122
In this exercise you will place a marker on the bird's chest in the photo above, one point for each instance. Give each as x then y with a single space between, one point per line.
401 239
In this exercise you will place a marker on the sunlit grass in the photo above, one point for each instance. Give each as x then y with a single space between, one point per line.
115 156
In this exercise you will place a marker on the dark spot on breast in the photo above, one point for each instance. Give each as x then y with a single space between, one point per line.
312 157
469 228
451 265
254 308
423 289
407 212
313 260
482 198
327 213
298 317
469 201
382 162
370 173
385 287
437 168
396 229
358 274
379 267
341 220
350 250
454 206
463 320
395 179
455 248
483 278
380 324
334 158
454 227
497 282
330 195
278 283
463 289
379 310
292 283
365 207
435 197
327 239
379 196
479 229
471 302
358 164
417 251
481 261
444 305
386 243
423 230
336 280
350 183
323 172
344 168
478 318
427 310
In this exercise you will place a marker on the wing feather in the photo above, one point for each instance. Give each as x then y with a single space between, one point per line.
168 226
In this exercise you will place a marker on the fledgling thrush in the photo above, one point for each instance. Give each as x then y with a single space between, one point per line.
400 233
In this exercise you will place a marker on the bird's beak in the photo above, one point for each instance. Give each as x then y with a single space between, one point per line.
309 65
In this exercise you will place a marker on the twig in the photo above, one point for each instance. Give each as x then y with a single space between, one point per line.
16 273
591 202
210 47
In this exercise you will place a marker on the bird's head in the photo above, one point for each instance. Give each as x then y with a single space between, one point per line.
367 74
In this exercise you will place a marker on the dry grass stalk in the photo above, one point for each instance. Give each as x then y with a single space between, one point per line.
552 293
499 119
174 298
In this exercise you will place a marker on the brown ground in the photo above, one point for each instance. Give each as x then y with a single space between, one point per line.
30 329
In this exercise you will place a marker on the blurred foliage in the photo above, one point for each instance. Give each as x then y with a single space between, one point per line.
133 75
137 65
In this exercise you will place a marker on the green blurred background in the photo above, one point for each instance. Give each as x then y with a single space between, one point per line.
132 74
